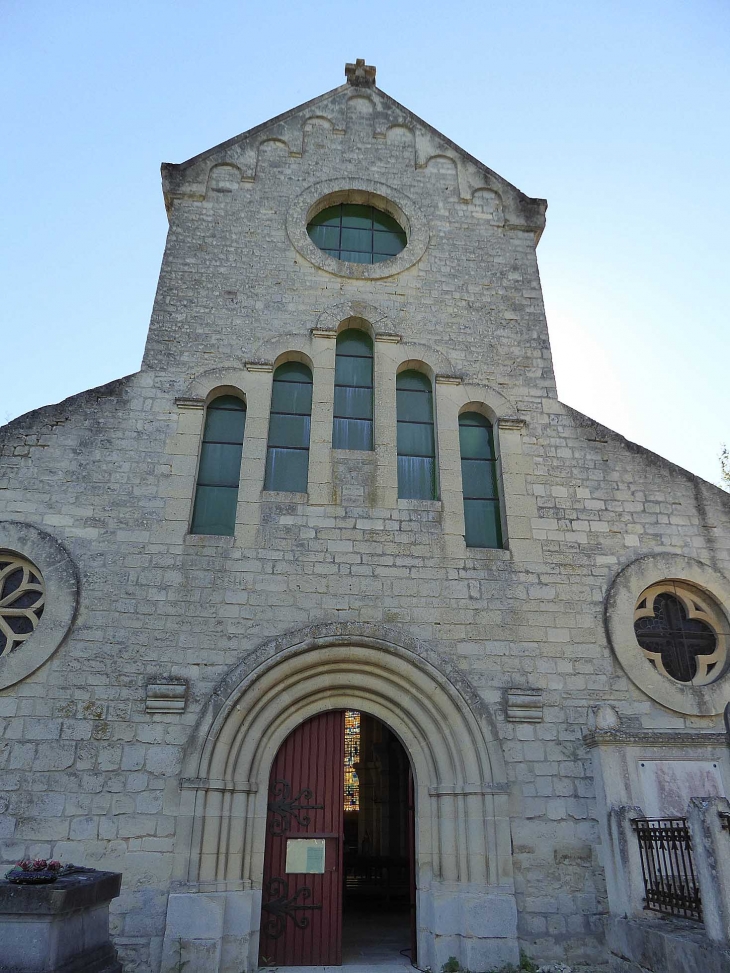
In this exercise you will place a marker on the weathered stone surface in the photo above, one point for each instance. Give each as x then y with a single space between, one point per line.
62 927
110 474
662 946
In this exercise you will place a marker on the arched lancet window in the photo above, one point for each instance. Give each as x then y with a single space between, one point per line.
482 519
353 418
287 457
219 469
416 449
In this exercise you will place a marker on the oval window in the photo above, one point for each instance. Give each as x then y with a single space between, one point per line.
357 234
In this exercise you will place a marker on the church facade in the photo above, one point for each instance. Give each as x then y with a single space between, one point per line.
334 607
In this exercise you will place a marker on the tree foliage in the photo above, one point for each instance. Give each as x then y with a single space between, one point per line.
725 468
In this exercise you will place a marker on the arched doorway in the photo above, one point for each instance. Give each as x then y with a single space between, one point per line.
463 866
339 880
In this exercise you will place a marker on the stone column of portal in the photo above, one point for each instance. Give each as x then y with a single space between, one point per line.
384 426
709 825
323 397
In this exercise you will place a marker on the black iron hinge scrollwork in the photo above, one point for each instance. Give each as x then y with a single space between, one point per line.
281 907
283 807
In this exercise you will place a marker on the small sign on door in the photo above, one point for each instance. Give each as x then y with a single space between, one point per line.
305 856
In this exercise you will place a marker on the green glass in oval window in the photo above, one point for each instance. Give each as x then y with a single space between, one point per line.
357 234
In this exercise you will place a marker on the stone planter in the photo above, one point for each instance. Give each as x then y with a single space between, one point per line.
60 927
19 877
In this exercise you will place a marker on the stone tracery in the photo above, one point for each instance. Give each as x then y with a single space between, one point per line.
22 600
680 632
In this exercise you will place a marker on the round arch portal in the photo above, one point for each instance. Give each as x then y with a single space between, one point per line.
465 892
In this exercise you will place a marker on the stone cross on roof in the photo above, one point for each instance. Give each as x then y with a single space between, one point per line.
360 74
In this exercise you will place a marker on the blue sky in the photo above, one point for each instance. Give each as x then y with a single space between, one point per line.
615 112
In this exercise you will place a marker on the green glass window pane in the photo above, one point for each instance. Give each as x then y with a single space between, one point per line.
220 465
286 470
228 402
290 397
355 215
416 478
353 403
352 434
412 379
387 243
224 426
329 216
415 439
289 431
381 221
325 237
293 371
478 479
347 232
361 240
215 510
354 342
414 406
356 257
475 442
354 371
482 523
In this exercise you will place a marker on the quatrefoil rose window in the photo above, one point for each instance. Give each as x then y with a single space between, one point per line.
22 600
682 632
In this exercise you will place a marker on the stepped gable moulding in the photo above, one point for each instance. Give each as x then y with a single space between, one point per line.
49 563
231 164
620 610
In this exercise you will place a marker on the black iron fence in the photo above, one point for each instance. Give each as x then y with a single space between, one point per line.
668 869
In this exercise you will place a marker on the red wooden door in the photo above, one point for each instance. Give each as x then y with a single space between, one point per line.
301 909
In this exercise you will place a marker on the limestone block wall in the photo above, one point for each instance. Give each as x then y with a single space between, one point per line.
90 776
477 276
89 772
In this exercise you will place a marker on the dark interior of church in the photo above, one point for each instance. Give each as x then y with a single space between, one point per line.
378 893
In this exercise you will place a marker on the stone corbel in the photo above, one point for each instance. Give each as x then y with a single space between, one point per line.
511 422
188 402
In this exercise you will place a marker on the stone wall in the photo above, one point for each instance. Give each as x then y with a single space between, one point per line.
89 774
